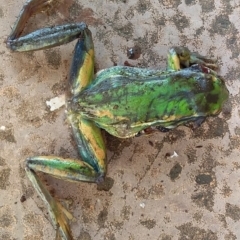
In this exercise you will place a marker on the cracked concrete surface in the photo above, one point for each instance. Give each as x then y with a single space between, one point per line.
193 195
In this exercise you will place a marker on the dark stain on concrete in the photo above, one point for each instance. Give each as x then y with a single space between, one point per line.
106 185
230 236
232 211
7 135
109 236
117 145
170 3
102 218
6 220
4 178
233 44
59 88
208 162
226 190
175 171
84 236
204 198
222 25
125 31
75 12
156 191
165 237
118 225
217 127
207 5
126 212
191 155
188 231
1 13
190 2
148 223
143 6
203 179
181 22
53 58
174 135
2 162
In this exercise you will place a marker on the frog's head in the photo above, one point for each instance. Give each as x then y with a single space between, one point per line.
216 92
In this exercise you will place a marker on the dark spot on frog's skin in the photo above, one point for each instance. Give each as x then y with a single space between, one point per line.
212 98
115 107
203 179
134 52
175 171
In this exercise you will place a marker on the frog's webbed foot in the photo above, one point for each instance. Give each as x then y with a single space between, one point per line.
182 57
66 169
58 214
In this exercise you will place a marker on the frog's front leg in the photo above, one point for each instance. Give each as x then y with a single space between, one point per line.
182 57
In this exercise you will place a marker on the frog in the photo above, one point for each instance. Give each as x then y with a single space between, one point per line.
121 100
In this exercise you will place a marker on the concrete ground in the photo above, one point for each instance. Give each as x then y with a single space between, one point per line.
182 184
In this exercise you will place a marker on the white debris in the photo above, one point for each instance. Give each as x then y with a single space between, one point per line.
3 128
56 103
142 205
174 155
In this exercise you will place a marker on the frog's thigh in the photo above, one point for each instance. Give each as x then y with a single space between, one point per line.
90 143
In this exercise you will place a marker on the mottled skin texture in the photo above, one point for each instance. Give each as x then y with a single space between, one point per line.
125 100
121 100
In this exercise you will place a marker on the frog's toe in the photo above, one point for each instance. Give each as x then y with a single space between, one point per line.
196 58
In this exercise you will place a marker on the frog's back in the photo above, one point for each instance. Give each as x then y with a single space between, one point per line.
124 101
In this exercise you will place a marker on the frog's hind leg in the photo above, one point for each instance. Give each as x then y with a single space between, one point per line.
42 38
182 57
66 169
90 144
82 69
